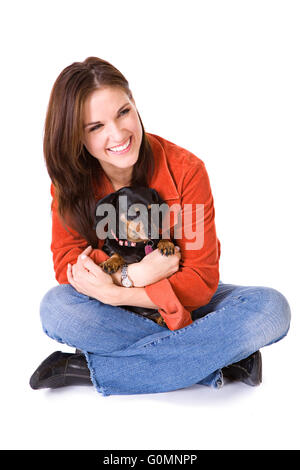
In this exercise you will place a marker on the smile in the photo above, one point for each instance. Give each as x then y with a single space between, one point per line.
122 148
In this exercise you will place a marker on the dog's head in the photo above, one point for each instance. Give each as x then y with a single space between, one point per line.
131 213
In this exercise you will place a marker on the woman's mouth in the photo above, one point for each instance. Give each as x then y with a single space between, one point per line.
121 148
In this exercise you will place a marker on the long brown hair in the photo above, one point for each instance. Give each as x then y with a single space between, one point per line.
73 171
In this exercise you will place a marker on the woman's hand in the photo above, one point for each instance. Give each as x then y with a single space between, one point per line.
154 267
89 279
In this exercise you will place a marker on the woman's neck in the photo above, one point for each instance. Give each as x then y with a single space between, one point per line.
119 178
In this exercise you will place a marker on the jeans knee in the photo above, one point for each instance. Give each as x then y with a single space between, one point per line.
280 309
268 314
52 307
273 313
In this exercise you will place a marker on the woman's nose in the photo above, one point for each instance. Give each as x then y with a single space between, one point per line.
115 135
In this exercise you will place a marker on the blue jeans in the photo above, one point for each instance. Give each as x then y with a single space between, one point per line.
130 354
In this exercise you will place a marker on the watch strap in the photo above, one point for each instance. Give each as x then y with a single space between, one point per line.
125 280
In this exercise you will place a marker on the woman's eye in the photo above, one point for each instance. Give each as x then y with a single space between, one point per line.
125 111
95 127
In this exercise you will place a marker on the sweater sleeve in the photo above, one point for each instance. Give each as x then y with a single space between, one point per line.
193 285
67 245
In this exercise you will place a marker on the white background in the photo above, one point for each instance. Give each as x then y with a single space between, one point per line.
220 78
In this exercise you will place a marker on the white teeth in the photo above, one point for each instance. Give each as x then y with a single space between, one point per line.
122 147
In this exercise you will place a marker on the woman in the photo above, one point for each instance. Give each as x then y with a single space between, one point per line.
95 144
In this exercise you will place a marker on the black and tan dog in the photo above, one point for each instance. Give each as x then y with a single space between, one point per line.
133 234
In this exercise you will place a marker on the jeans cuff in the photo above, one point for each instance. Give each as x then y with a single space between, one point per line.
214 380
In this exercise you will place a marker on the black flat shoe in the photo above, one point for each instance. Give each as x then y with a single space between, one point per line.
247 370
61 369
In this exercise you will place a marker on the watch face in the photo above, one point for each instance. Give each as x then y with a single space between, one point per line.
126 283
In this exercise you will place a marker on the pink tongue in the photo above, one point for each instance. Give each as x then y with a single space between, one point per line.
148 249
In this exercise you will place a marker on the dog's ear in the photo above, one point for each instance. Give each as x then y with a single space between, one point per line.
156 199
109 199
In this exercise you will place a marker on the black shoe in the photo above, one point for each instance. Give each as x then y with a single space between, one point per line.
61 369
247 370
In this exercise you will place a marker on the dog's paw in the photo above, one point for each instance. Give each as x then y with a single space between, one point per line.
109 267
166 247
160 321
112 265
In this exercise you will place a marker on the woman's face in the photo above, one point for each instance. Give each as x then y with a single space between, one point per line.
111 120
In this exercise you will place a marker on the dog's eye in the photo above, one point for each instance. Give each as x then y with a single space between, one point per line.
132 217
137 214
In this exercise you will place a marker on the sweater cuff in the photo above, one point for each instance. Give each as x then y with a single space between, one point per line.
172 311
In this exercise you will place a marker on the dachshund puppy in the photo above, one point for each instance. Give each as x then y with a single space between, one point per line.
134 230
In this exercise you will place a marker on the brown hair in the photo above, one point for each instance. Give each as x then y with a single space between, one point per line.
73 171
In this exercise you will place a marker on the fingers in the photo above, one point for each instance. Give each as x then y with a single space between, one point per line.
85 252
78 266
74 270
70 275
88 268
89 264
177 251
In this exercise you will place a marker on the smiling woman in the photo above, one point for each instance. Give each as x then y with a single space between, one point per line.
114 141
91 110
94 144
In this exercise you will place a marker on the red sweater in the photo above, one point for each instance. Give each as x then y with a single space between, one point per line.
180 178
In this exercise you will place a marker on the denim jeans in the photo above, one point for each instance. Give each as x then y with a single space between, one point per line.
130 354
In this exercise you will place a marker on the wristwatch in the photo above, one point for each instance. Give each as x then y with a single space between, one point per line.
126 282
